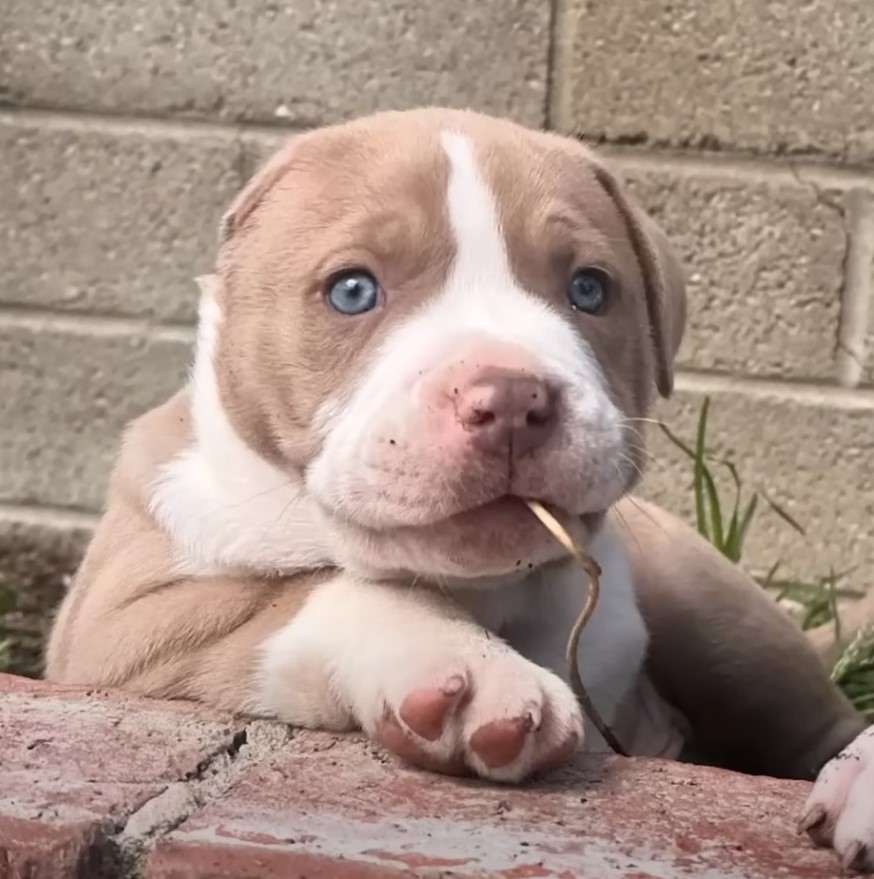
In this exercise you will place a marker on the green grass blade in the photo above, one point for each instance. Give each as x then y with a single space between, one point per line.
716 535
768 582
783 514
682 446
698 481
745 522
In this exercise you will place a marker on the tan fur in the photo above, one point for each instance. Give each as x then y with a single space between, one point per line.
744 676
319 207
751 687
132 620
721 653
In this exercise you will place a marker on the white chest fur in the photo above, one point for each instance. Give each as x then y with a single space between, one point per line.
536 614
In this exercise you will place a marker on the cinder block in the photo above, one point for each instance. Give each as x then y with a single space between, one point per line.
116 219
810 451
66 397
303 62
764 260
747 75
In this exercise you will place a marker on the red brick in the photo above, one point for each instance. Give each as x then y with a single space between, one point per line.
174 861
30 850
72 762
336 798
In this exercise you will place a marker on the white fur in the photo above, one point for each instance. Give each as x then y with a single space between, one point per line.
358 648
613 644
845 791
357 645
225 507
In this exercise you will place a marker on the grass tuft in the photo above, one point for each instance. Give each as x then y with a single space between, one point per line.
727 524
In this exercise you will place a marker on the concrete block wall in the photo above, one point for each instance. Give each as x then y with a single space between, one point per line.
746 128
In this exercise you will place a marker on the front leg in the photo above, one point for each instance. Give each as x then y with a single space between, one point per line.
421 678
839 812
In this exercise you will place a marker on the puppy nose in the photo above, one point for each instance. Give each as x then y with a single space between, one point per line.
507 409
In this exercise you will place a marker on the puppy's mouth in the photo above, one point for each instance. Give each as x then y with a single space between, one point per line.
508 511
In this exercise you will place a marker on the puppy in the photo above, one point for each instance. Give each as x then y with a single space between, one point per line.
418 321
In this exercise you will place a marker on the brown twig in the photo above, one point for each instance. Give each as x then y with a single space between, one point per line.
593 571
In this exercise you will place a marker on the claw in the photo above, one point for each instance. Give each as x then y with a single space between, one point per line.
814 817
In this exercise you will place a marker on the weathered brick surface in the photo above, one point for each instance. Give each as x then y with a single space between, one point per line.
31 850
115 218
96 785
67 395
74 764
76 756
335 798
302 62
174 861
770 77
763 255
812 452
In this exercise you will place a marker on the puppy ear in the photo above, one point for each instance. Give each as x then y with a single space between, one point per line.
258 186
663 279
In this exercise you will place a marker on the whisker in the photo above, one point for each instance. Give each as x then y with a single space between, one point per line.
625 526
635 503
626 420
287 484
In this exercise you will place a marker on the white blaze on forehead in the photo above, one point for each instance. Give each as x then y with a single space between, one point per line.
482 295
473 216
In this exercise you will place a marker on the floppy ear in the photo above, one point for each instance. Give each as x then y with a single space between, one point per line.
257 187
663 280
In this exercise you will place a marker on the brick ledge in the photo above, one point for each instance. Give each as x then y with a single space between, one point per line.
95 784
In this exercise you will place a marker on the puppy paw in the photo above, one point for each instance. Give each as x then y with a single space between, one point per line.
839 813
492 713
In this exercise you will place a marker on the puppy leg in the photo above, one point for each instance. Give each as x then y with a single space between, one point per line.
839 812
756 695
419 677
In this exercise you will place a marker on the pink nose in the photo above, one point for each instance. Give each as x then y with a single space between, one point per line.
506 410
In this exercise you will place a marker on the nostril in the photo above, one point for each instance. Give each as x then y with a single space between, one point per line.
480 417
540 408
537 417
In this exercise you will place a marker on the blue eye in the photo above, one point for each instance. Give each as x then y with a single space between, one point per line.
588 290
353 292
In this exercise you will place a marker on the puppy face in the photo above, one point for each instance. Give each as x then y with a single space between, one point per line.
428 316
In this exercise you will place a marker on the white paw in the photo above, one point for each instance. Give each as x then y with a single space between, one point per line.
840 809
482 709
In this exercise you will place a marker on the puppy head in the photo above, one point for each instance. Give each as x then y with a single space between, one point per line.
428 316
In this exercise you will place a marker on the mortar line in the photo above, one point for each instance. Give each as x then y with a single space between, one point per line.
802 393
822 171
747 169
47 516
163 813
552 71
143 123
858 289
37 319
